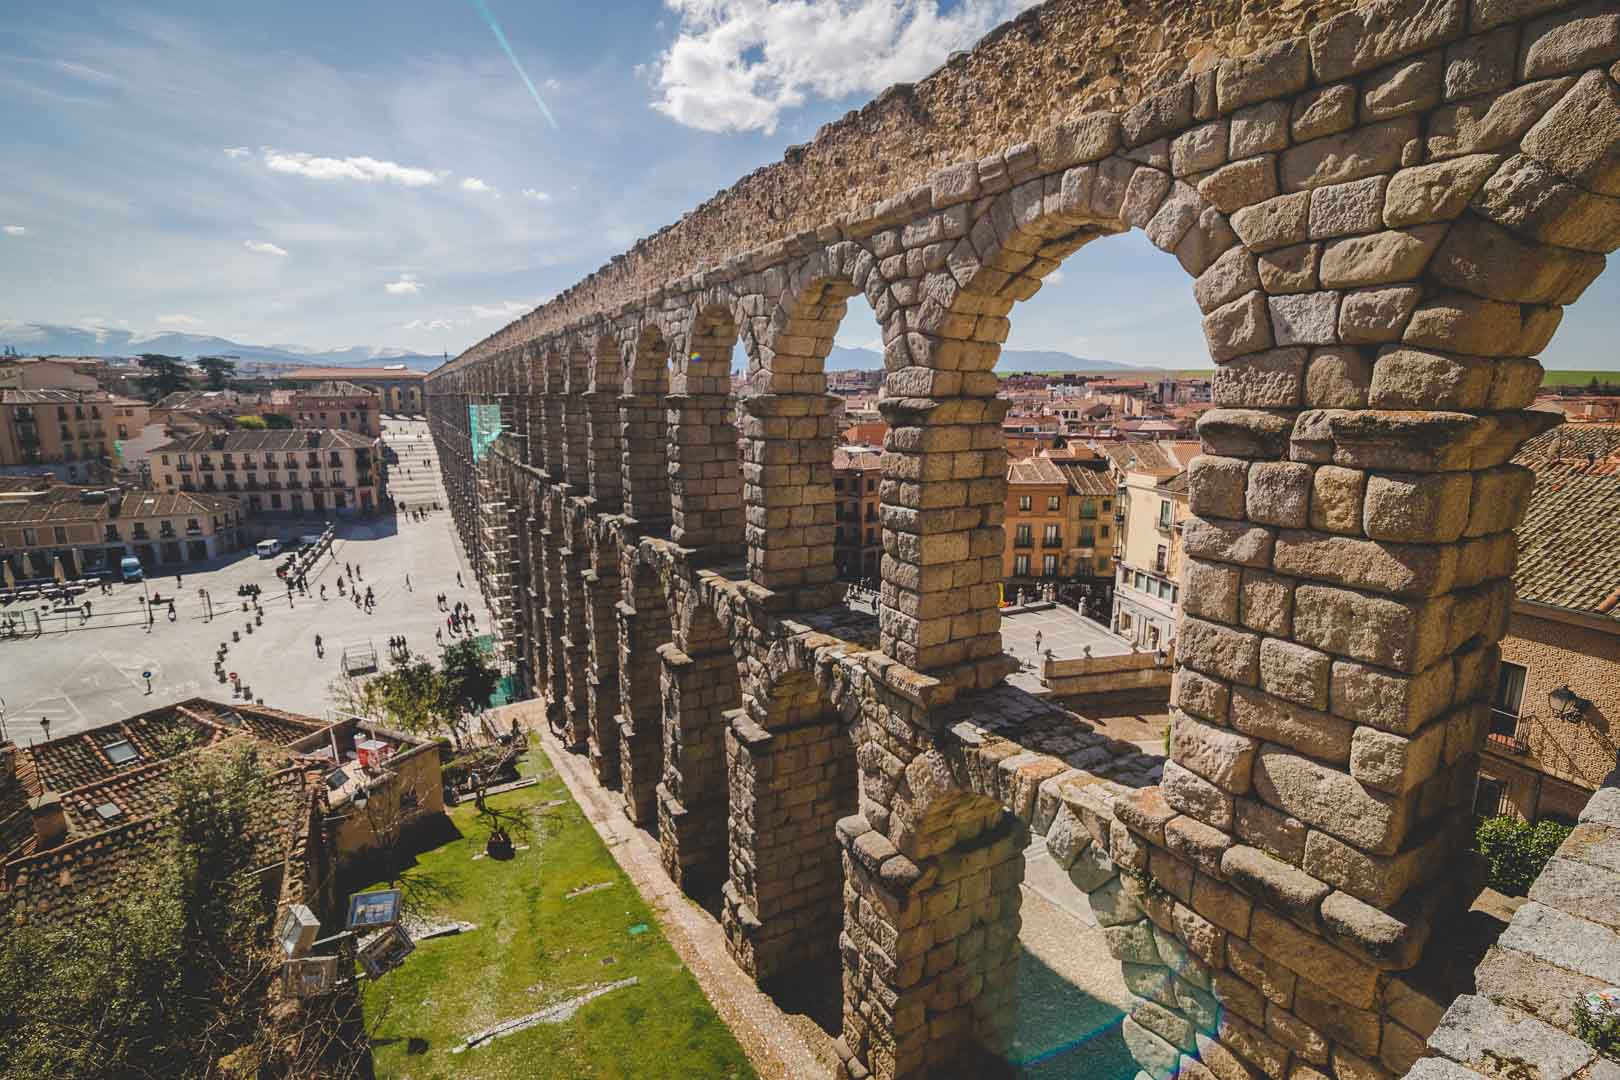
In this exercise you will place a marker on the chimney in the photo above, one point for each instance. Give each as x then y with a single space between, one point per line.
50 821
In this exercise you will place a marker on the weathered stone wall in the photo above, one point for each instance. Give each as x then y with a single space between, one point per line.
1383 219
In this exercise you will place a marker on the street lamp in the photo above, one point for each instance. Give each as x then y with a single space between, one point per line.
1567 705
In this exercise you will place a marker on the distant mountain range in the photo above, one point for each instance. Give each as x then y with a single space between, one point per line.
842 359
41 338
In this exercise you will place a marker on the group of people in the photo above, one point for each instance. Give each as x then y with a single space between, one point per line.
397 648
418 514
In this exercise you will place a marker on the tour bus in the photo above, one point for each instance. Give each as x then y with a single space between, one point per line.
268 549
131 568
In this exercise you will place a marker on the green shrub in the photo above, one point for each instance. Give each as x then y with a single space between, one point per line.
1517 850
1596 1022
251 423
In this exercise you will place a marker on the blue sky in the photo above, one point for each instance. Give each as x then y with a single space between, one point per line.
339 173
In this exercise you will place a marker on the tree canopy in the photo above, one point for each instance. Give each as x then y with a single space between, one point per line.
421 697
168 374
219 370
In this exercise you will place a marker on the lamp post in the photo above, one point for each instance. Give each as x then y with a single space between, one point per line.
1566 704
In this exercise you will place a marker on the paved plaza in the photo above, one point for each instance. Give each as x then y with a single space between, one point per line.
82 673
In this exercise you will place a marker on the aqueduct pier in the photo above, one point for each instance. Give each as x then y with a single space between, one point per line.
1383 209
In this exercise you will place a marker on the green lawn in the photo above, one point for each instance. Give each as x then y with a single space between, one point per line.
1579 378
534 948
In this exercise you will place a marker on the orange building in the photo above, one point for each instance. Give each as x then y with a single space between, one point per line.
857 536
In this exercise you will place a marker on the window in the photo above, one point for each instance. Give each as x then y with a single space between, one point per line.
871 483
838 483
1160 558
108 811
838 534
1023 536
1102 564
1021 566
1054 503
1053 537
1488 800
1508 700
112 533
60 534
120 751
1164 513
871 536
1088 508
1088 536
1105 529
1024 503
30 537
1049 565
1107 505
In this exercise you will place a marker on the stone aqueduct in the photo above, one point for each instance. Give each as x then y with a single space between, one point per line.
1383 209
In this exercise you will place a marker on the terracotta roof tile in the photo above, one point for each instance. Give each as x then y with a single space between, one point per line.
1568 555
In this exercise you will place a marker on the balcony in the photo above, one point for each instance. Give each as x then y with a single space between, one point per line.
207 466
184 467
229 466
1024 542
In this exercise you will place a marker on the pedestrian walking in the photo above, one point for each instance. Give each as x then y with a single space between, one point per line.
347 572
177 581
459 585
408 584
438 636
323 592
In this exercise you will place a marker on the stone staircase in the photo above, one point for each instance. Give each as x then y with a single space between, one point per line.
413 478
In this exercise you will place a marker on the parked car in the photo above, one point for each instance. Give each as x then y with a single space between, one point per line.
268 549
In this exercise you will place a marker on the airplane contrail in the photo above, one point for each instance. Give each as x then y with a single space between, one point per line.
500 36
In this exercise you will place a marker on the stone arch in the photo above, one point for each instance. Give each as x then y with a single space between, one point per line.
601 645
701 687
645 626
704 473
552 394
643 413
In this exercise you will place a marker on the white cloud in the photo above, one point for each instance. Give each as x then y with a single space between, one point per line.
472 183
432 324
735 65
536 194
1054 278
407 285
367 170
14 230
178 320
265 247
506 309
552 84
238 152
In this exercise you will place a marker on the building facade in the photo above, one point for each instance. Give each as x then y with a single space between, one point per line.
90 530
858 535
338 404
399 390
1153 503
72 434
1552 736
276 472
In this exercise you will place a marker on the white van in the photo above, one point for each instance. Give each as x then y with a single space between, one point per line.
268 549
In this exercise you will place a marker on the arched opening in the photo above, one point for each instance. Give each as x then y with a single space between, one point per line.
791 430
705 478
643 414
552 400
644 627
791 760
1077 483
854 369
700 686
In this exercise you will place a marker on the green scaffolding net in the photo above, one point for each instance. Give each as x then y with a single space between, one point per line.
484 421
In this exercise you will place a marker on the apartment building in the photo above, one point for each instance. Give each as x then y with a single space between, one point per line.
90 529
857 533
338 404
277 472
1153 502
72 434
1059 524
398 389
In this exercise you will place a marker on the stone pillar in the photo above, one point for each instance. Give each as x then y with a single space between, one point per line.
576 435
575 562
698 691
644 626
792 774
787 475
606 451
646 466
704 480
930 948
553 403
552 615
534 406
944 501
602 663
